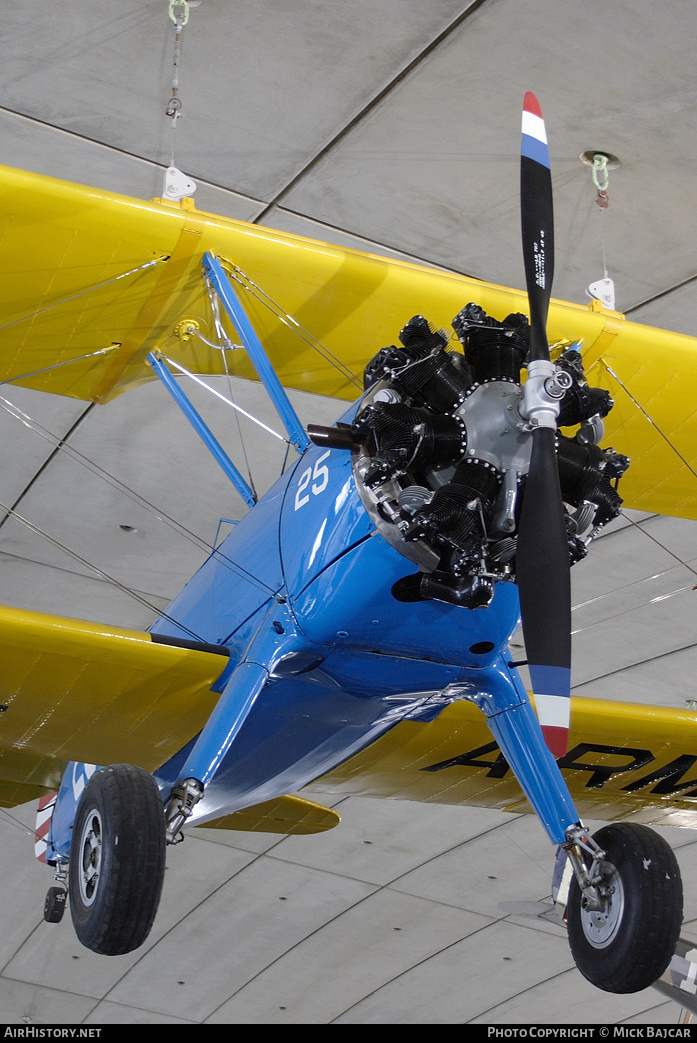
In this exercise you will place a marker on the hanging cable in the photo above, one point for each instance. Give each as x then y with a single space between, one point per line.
174 106
603 289
601 179
177 185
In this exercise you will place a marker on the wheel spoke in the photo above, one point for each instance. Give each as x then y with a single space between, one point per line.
91 857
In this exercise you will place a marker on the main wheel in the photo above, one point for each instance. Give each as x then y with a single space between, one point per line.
117 860
627 945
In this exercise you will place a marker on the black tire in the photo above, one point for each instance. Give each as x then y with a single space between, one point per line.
628 946
117 860
54 906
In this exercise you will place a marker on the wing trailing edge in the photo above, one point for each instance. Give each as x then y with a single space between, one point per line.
289 815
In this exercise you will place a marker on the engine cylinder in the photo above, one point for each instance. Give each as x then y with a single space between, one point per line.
494 353
461 508
583 475
407 436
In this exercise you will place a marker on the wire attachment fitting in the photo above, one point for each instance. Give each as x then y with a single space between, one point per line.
603 290
601 178
184 16
177 185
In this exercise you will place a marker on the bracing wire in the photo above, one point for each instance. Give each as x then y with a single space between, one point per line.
100 572
59 444
18 824
650 419
58 365
236 273
83 293
239 429
227 401
136 497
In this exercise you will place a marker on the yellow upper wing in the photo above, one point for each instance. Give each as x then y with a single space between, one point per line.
90 283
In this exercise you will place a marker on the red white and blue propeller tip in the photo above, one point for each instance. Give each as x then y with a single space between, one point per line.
534 145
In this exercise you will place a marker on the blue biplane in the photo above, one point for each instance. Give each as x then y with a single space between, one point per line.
375 588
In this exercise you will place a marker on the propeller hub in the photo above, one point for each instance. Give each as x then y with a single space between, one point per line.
542 394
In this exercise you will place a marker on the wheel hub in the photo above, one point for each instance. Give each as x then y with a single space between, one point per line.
91 857
600 926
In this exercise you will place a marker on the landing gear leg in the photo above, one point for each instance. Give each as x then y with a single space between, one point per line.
183 799
624 911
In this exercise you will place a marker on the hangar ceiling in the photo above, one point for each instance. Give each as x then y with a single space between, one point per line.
391 125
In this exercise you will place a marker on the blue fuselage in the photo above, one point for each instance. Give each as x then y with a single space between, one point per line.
301 594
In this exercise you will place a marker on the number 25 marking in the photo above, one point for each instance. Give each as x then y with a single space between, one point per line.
319 477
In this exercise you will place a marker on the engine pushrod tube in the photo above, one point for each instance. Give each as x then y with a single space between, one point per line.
202 429
221 283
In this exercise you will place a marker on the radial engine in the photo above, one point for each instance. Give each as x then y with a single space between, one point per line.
441 452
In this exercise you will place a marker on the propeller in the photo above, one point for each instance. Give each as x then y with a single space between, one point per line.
542 557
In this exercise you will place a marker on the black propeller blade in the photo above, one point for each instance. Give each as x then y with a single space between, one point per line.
542 558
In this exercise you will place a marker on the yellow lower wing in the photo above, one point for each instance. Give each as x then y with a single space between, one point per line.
624 761
78 691
90 283
292 816
71 690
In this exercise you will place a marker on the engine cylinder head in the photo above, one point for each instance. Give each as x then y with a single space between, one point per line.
585 474
494 354
409 437
422 370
